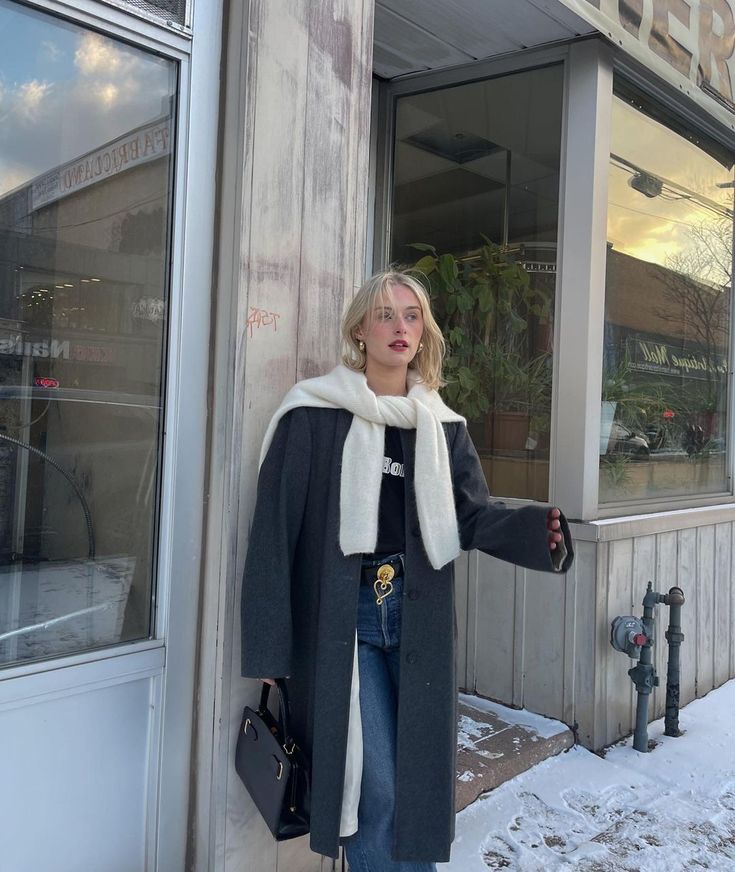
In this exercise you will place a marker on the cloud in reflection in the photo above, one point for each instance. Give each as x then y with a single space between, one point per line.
29 98
674 225
50 51
78 91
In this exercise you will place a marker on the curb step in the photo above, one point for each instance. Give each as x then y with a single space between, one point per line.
497 743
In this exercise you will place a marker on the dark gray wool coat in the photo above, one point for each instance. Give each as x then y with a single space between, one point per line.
299 609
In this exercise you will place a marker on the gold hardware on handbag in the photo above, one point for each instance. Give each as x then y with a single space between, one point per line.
383 585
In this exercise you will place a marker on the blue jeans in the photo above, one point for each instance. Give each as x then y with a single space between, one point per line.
378 651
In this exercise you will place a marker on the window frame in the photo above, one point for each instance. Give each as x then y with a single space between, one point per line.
178 51
632 76
388 94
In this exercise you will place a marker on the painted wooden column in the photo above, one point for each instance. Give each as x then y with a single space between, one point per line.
294 182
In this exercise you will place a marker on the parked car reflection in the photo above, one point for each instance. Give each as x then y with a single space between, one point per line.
624 440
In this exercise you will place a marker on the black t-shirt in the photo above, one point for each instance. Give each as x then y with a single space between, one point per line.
392 512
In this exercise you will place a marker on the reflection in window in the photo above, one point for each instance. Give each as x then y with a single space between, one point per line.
475 207
86 145
667 310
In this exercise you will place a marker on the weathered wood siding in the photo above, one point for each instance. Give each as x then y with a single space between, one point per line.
542 641
297 115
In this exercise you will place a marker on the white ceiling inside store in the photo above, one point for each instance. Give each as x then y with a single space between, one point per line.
415 35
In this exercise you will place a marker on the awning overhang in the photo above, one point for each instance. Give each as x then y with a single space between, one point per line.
689 44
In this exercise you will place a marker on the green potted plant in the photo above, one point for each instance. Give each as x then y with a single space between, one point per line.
483 302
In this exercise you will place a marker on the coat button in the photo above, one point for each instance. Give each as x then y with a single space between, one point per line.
413 594
411 657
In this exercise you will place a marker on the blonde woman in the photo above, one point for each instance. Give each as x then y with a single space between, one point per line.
369 488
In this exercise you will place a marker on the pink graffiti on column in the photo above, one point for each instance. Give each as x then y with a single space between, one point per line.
261 318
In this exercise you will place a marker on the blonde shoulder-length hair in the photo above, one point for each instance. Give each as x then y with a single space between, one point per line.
377 291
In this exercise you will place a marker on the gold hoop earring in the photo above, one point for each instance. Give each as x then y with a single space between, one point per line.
361 345
421 346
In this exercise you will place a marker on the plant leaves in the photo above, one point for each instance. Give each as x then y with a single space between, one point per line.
464 302
448 268
426 265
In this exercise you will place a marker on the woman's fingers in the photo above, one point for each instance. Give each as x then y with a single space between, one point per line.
553 524
271 681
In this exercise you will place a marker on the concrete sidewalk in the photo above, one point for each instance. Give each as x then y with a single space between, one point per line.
496 743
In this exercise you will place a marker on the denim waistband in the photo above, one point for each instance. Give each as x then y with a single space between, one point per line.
370 564
376 559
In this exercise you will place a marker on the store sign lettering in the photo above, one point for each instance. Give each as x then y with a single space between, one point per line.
648 356
149 309
56 349
131 150
690 38
91 353
52 348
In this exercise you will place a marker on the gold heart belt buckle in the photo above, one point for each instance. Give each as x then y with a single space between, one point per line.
383 585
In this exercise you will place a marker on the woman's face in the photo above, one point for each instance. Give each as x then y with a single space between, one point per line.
393 334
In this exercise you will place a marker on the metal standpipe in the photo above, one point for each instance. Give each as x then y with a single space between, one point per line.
674 599
636 637
643 674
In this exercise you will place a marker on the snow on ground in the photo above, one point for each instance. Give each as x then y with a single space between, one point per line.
671 810
541 726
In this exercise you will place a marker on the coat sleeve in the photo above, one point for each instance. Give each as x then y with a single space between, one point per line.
516 535
283 482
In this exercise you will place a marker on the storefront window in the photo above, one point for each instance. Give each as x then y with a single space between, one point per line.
667 310
475 208
86 150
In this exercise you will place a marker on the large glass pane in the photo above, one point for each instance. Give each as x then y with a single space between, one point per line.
85 202
475 208
667 310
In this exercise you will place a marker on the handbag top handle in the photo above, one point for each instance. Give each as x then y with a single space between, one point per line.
283 711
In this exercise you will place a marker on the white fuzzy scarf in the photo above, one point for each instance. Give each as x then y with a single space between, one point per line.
362 457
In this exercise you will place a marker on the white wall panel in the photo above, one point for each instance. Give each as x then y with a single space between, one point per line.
81 763
687 575
722 629
705 583
495 630
543 673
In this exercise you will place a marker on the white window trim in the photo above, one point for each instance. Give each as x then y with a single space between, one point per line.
120 22
581 273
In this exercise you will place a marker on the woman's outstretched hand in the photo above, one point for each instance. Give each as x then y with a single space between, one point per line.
553 525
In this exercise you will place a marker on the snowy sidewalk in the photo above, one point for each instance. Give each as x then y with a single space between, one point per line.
496 743
672 810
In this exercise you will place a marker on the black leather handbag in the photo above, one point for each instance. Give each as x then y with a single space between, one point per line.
273 768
